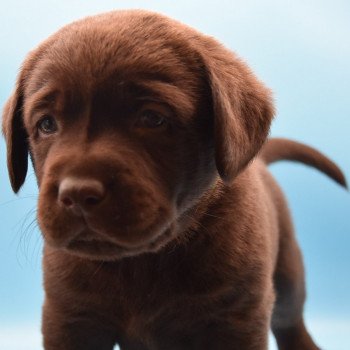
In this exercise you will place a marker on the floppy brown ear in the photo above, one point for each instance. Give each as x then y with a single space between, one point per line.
242 107
16 140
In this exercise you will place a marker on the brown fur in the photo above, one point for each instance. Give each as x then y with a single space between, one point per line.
161 238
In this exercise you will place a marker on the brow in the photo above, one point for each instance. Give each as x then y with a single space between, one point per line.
51 97
42 98
162 92
149 90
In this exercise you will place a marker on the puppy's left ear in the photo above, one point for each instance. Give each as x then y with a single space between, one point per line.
242 108
16 140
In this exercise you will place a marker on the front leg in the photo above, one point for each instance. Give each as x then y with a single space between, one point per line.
66 331
236 336
242 325
216 336
230 329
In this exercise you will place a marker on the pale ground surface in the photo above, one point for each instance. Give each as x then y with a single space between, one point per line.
330 335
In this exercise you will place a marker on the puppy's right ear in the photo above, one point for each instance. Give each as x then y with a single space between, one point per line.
16 139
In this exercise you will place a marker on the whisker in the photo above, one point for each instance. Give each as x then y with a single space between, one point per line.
18 198
24 232
97 270
36 250
194 219
214 216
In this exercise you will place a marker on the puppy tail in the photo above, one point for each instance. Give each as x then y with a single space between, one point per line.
276 149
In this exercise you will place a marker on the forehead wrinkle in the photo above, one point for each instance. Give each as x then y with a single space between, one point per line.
53 72
170 94
58 101
45 96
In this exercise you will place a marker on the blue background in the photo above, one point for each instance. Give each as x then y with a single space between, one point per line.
301 49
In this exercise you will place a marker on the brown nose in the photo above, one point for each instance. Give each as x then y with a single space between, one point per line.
80 195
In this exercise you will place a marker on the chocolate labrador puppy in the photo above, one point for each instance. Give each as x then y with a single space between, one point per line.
163 228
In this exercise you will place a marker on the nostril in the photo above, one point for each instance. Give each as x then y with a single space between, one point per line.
78 194
91 201
68 202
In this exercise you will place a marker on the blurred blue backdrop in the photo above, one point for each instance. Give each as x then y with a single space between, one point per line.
301 49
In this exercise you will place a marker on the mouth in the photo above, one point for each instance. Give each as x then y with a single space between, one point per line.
96 249
93 247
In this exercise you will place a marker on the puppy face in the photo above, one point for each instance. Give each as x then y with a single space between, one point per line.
128 117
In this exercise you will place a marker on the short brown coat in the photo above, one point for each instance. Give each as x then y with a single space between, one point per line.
192 246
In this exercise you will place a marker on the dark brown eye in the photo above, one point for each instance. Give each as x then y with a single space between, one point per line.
47 125
151 119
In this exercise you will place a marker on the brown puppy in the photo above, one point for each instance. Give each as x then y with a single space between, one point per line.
160 231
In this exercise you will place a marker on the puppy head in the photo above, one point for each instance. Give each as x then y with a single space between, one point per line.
129 117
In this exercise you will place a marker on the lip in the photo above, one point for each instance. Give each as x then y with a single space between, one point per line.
94 248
